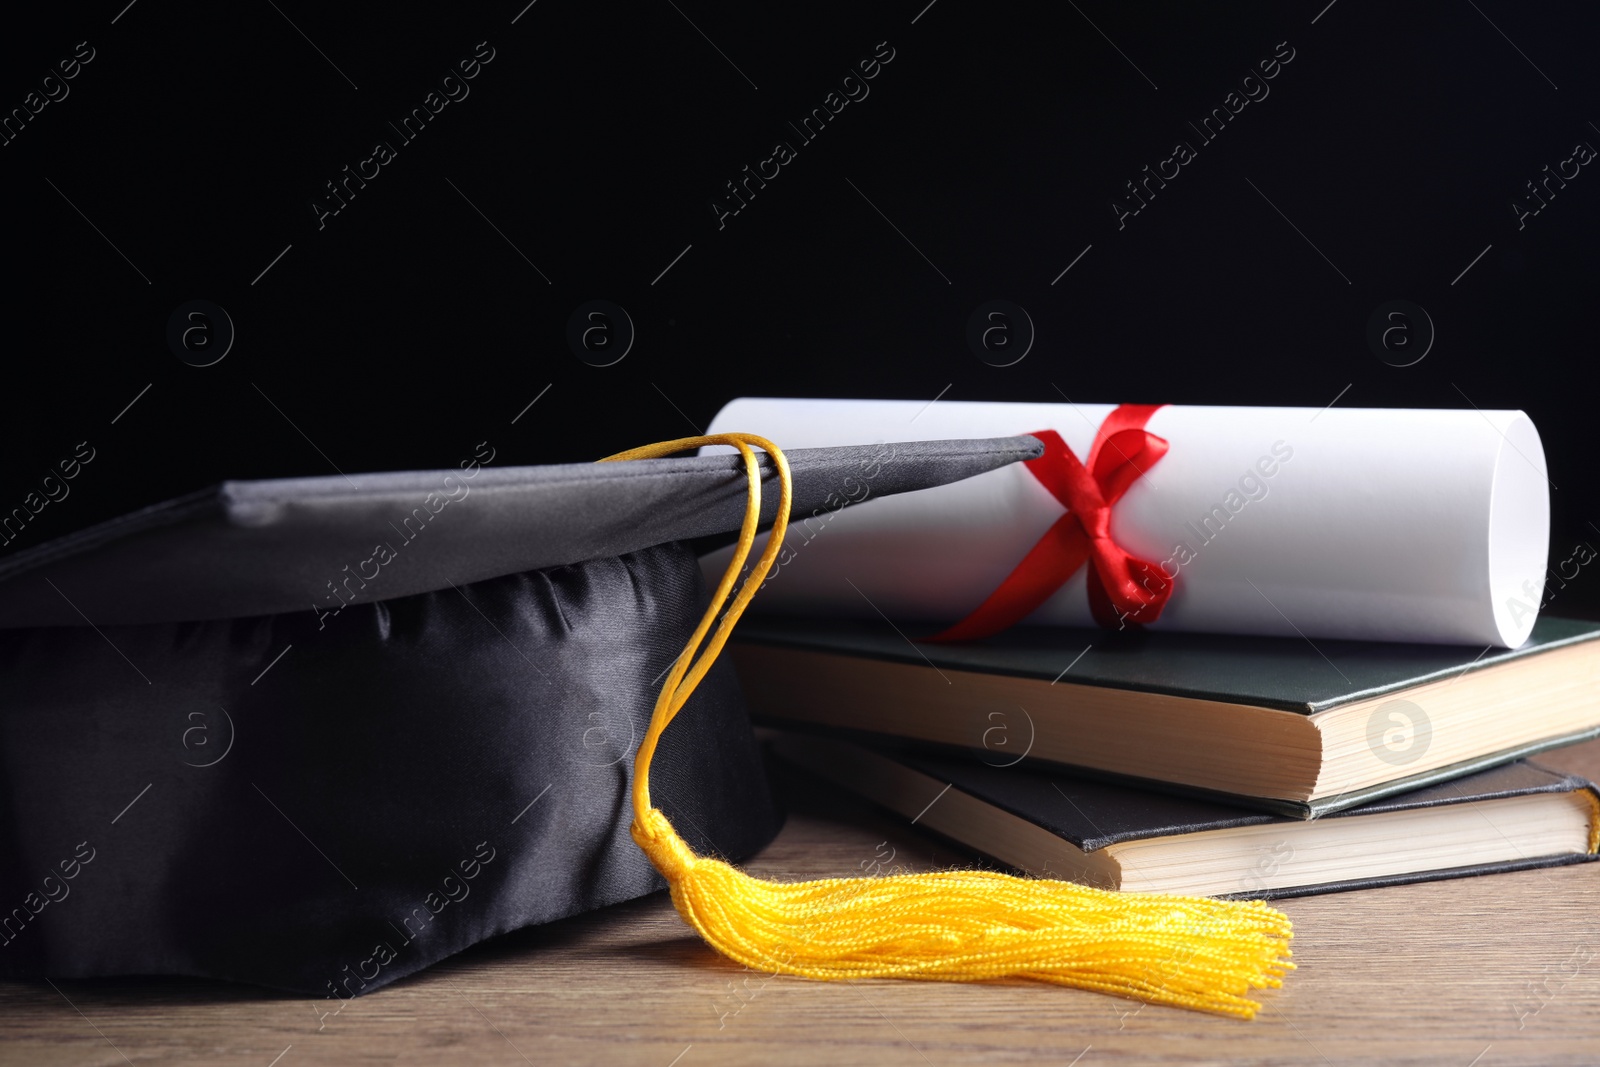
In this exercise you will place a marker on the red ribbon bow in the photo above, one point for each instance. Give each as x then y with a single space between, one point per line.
1122 587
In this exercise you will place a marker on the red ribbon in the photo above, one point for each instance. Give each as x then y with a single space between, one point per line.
1122 587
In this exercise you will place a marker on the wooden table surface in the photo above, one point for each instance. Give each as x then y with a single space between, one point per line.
1470 973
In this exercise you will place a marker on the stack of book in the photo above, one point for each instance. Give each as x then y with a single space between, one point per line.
1222 650
1197 763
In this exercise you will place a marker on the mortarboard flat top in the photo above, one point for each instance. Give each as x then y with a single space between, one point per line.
319 733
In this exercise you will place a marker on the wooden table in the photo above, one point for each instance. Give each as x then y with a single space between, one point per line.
1469 973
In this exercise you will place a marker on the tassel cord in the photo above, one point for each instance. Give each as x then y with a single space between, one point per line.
963 926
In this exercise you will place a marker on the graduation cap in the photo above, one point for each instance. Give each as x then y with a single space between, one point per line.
319 733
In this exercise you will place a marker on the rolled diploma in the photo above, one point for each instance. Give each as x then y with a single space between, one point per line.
1373 524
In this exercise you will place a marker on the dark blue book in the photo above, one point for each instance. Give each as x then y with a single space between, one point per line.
1055 825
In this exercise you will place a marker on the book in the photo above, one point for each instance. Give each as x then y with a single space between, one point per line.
1280 724
1511 817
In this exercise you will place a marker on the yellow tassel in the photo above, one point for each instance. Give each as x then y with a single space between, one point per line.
957 926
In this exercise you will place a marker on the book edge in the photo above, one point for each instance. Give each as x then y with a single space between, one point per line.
752 633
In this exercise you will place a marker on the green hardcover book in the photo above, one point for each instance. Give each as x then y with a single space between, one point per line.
1275 723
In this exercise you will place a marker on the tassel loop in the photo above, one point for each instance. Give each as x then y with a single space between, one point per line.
669 853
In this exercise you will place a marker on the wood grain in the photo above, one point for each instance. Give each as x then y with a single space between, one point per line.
1471 973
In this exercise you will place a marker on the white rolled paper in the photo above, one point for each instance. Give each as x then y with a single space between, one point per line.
1371 524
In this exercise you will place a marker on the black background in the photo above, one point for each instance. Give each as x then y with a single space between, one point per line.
414 323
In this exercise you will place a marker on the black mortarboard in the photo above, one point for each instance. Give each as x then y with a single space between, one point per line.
319 733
